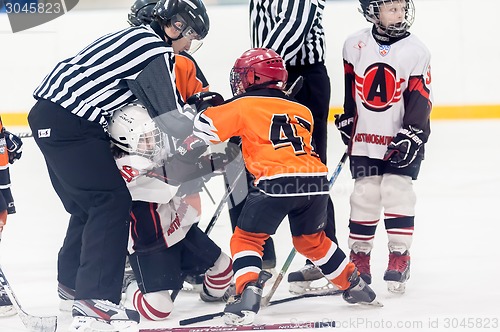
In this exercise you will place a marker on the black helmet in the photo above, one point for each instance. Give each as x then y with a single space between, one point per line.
141 12
371 11
191 13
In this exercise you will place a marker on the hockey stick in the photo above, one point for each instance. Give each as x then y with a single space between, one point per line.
215 216
223 202
266 299
199 319
31 322
24 134
270 327
295 87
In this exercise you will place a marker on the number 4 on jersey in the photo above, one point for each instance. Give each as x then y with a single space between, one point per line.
283 133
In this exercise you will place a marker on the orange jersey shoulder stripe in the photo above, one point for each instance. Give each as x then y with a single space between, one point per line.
275 132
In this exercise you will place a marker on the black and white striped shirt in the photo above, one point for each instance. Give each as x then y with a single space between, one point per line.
293 28
93 84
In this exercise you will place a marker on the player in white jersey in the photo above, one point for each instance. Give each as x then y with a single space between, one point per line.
165 241
385 124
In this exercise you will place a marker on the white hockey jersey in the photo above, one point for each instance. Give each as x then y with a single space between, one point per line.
388 86
176 215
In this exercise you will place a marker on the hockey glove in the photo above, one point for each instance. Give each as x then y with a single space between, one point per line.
345 125
191 149
202 100
404 147
14 146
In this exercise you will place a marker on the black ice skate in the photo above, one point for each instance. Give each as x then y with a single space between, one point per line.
398 271
359 292
6 308
304 280
241 309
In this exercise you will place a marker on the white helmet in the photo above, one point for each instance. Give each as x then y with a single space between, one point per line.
132 130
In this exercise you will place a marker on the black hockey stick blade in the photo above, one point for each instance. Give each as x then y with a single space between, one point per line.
199 319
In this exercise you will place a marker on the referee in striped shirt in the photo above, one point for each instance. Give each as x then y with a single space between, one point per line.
69 124
293 28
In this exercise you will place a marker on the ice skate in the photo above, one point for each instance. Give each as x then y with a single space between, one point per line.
128 277
193 283
241 309
310 280
205 297
398 271
66 297
103 316
360 256
359 292
6 307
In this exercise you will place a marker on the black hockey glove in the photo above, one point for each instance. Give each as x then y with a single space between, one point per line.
177 171
345 125
14 146
202 100
191 149
404 147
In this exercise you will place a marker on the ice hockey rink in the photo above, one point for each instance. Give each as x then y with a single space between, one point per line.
455 258
455 255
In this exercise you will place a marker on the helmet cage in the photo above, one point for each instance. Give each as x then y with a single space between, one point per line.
133 131
240 79
371 12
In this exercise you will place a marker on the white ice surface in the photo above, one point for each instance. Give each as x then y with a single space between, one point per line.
455 256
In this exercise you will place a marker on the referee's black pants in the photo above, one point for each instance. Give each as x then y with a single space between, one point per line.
315 94
86 179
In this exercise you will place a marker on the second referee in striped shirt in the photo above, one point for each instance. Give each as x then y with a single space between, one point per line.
293 28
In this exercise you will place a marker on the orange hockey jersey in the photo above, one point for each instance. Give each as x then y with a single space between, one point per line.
276 134
188 77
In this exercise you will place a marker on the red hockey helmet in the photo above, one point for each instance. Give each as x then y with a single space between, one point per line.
258 67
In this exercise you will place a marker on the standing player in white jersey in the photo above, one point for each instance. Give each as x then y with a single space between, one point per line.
385 124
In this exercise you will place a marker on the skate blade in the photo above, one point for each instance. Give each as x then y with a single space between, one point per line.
396 287
91 324
7 310
235 320
374 303
305 287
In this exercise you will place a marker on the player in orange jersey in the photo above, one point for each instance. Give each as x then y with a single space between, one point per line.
289 180
10 151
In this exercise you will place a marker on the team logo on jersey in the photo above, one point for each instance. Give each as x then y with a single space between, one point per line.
379 89
384 49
